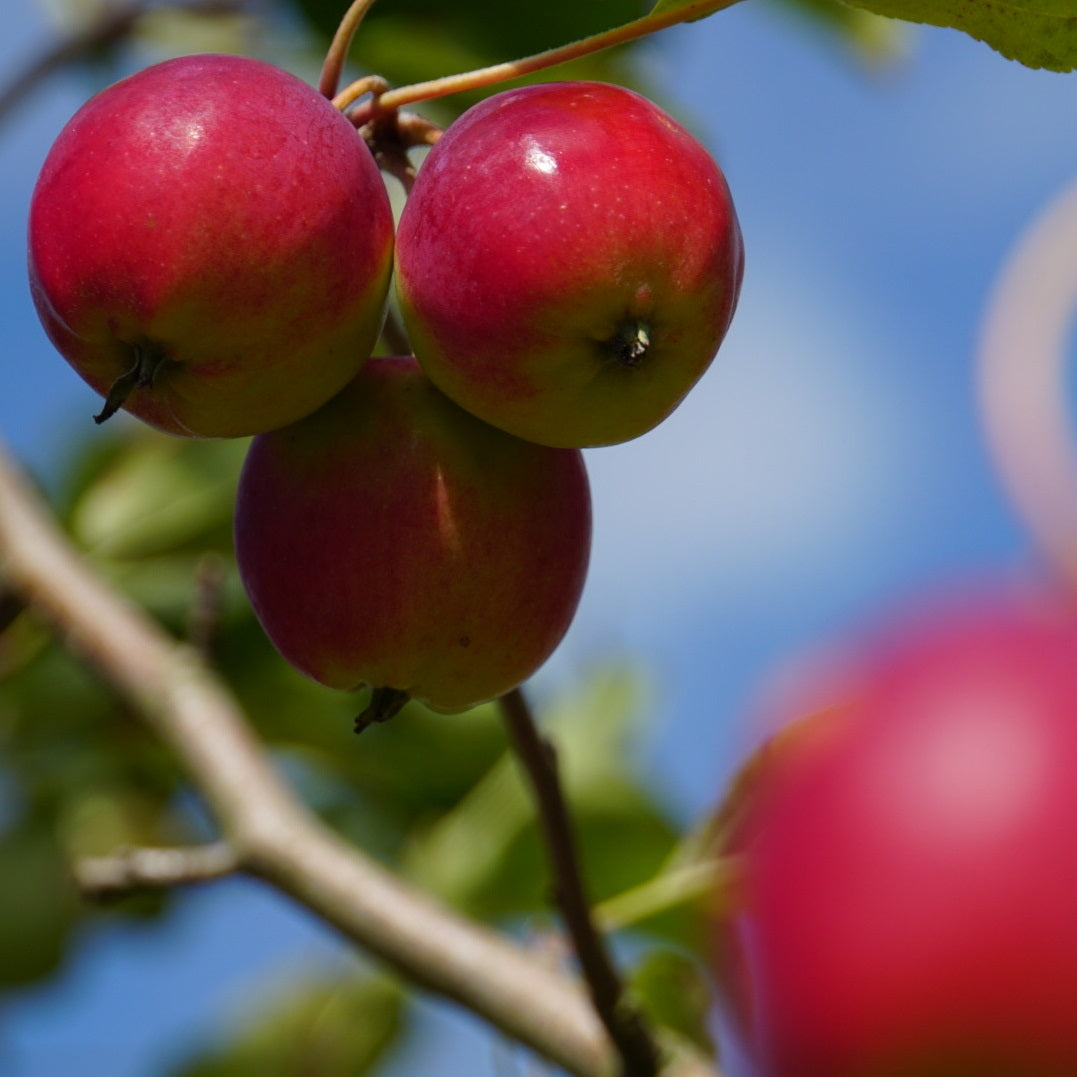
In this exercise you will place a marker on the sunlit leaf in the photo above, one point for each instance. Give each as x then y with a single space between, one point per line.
1037 33
157 494
487 855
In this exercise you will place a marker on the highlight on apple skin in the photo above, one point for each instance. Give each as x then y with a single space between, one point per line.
909 862
568 263
210 242
393 540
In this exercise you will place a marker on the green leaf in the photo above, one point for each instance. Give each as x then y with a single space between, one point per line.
500 30
157 495
320 1028
1037 33
872 39
691 10
38 905
673 992
486 855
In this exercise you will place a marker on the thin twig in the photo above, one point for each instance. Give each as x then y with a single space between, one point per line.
154 869
624 1023
368 84
391 135
116 23
648 24
337 55
204 616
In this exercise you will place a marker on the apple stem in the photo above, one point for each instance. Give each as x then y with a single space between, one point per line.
148 358
390 135
661 18
338 48
385 703
372 84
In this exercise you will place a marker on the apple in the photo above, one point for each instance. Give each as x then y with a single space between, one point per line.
568 263
393 540
909 900
210 244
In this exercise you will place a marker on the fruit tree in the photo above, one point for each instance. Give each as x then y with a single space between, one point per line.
416 374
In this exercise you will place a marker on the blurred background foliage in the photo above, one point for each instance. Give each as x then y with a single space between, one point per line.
436 797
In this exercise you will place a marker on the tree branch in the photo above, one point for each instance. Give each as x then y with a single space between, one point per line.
273 835
113 25
154 869
623 1022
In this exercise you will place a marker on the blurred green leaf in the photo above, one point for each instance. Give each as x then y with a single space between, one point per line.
157 495
875 40
411 41
674 993
509 31
38 905
379 49
315 1029
486 855
171 32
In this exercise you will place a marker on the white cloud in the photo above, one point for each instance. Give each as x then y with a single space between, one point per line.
784 460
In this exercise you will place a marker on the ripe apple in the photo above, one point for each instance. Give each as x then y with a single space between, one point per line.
568 262
393 540
210 244
910 862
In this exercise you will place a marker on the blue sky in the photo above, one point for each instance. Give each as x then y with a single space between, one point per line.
829 463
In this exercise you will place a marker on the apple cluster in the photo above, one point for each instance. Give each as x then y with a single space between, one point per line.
211 247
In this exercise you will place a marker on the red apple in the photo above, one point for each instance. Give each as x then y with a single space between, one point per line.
568 263
910 863
210 242
393 540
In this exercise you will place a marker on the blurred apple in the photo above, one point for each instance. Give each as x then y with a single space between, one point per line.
909 904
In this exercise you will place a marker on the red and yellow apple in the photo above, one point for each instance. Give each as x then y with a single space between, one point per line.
393 540
210 244
568 263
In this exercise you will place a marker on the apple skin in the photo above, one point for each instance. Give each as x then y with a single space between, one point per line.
546 227
393 540
219 213
909 904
